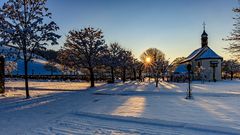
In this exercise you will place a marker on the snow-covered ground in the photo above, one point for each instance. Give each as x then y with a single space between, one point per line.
16 89
130 108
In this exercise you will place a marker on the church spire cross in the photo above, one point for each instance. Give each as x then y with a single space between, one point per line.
204 36
204 25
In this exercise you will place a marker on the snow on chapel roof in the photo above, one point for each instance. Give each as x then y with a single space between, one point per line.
193 54
209 54
202 53
181 69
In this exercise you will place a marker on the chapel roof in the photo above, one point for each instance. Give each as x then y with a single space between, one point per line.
202 53
193 55
181 69
209 54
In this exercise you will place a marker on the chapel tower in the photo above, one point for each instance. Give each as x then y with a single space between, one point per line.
204 37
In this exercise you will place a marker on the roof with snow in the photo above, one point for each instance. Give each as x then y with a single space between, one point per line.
202 53
209 54
181 69
193 55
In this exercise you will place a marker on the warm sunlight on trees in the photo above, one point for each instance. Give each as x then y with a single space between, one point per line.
155 61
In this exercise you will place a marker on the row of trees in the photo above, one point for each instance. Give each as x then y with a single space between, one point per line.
231 68
86 49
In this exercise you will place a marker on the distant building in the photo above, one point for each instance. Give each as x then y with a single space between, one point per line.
206 64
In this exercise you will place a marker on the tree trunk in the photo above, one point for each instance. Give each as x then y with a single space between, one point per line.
149 78
140 75
134 74
112 73
124 75
157 81
26 76
149 75
25 51
91 77
231 75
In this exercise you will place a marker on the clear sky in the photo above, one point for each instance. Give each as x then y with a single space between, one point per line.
173 26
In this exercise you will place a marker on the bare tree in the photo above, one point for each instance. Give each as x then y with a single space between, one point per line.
65 61
231 67
134 65
155 59
22 25
125 61
113 57
234 38
85 48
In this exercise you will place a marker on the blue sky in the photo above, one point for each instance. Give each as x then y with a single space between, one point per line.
173 26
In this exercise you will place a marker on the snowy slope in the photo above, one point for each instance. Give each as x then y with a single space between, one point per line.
36 65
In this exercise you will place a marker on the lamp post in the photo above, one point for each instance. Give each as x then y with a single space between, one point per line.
189 68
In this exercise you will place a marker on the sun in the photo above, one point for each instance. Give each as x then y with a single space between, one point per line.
148 60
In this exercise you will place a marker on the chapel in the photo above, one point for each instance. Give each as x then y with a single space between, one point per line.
206 64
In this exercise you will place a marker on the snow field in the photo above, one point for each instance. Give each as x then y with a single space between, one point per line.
88 124
130 108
